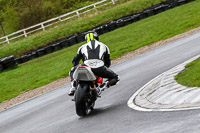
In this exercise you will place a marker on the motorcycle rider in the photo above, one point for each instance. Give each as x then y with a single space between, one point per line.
96 55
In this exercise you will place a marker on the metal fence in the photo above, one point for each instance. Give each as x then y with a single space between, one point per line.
42 26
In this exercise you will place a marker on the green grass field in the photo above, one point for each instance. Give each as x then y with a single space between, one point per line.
46 69
191 75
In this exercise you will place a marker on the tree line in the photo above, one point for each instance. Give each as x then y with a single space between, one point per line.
19 14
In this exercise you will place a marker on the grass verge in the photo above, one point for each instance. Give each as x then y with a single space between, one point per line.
191 75
46 69
65 29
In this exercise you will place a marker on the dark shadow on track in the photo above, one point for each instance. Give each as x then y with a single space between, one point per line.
100 111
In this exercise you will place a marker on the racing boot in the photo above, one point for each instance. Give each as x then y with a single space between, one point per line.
73 88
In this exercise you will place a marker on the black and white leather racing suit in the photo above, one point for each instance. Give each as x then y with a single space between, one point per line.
97 56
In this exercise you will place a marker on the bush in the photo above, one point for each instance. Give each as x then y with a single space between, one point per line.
19 14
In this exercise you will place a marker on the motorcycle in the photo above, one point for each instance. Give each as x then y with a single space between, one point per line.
88 89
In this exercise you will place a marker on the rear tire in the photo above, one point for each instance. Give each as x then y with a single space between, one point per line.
80 100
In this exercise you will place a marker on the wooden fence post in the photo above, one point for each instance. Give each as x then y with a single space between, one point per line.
25 33
43 26
95 7
113 1
7 39
77 13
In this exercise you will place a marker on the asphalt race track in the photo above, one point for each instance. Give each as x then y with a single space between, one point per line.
54 112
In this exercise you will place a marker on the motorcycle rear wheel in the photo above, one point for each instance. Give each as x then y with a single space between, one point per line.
80 101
